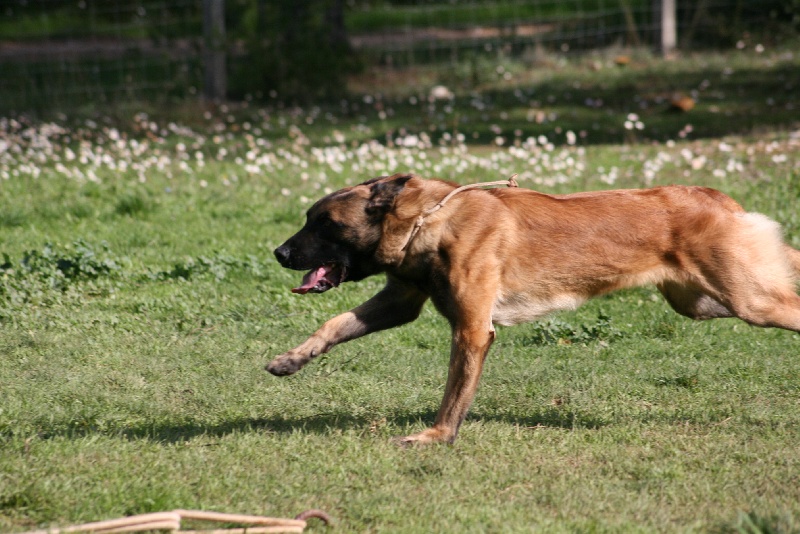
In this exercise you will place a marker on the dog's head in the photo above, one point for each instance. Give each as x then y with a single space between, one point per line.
341 233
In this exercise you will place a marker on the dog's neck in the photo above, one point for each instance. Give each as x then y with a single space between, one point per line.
398 236
511 182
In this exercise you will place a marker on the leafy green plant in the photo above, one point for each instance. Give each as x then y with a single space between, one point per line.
218 265
57 267
79 261
553 331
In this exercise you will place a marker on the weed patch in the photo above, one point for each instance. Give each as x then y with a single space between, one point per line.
131 204
80 261
755 523
217 266
557 332
689 380
44 276
13 218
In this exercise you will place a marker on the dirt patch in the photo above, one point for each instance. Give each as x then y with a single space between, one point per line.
415 36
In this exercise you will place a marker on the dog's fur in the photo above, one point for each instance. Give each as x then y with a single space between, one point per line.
507 256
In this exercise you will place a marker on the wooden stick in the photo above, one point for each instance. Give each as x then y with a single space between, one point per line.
220 517
248 530
123 522
172 521
166 524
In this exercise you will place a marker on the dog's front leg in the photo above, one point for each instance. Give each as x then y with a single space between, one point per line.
470 346
395 304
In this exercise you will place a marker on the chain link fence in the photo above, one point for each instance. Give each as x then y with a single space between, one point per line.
62 53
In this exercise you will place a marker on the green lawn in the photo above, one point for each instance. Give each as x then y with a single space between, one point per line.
139 303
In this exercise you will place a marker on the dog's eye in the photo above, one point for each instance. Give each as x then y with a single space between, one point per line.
325 221
327 226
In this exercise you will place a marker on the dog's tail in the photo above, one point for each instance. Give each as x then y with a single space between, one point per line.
794 259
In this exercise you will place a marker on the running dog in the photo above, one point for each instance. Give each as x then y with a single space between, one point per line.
506 256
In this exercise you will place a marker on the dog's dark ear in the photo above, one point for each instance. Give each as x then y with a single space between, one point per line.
383 193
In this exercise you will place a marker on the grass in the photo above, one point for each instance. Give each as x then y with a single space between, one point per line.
139 302
383 17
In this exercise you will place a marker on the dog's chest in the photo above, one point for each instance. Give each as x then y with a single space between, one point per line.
514 308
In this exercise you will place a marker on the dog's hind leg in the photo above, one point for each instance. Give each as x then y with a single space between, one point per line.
395 304
779 311
759 307
752 273
765 303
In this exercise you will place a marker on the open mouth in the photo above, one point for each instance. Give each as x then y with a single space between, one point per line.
322 279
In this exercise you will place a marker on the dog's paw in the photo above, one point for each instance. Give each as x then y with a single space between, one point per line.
292 361
430 435
284 365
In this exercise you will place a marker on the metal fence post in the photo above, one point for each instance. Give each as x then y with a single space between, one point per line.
214 52
664 13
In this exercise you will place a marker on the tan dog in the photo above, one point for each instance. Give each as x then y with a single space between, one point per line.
507 256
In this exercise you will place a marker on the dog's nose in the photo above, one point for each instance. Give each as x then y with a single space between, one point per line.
282 254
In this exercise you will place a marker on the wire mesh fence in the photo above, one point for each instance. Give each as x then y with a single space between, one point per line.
54 53
60 53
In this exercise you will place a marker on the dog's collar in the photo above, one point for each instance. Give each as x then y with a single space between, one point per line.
511 182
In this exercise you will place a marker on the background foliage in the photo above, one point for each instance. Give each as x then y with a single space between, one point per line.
57 54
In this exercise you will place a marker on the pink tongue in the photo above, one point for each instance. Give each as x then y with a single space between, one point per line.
313 277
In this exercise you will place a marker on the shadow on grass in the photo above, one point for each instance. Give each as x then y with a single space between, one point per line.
322 424
553 417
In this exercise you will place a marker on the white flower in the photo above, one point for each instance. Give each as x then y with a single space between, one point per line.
409 141
440 92
699 162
